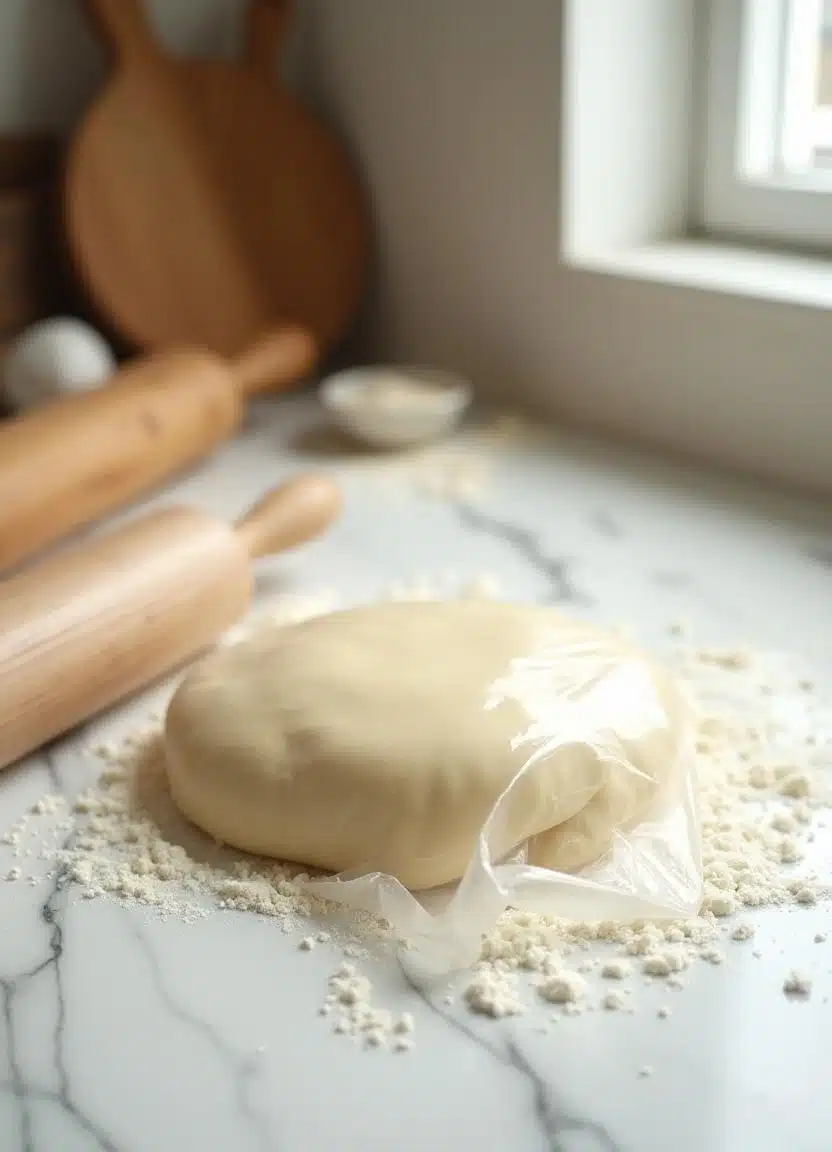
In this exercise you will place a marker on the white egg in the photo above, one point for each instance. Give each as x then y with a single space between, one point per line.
53 358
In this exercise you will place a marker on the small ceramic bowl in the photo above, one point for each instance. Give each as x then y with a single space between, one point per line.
393 407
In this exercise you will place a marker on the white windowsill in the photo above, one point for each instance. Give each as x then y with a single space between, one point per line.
780 277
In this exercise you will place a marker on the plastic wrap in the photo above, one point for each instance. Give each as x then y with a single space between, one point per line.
606 740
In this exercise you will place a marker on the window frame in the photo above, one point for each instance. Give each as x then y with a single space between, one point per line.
753 183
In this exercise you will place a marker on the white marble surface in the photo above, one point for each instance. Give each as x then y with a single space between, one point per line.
120 1031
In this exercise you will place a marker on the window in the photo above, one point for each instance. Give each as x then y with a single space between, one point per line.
767 166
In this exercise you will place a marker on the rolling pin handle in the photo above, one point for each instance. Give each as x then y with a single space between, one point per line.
289 515
277 361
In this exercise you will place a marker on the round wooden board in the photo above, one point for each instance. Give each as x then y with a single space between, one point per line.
205 205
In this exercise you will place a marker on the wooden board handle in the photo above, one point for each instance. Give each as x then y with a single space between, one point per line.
289 515
266 22
277 361
125 27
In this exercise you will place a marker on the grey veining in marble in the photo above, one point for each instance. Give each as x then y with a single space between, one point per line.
124 1032
46 978
556 571
554 1119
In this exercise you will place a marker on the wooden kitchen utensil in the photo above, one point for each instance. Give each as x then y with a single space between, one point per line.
84 629
68 462
204 204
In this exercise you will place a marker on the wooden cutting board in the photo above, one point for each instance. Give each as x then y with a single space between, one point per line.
204 204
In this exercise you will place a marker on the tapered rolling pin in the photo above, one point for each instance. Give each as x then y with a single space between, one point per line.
85 628
76 459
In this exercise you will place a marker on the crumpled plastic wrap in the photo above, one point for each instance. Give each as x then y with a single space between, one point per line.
633 728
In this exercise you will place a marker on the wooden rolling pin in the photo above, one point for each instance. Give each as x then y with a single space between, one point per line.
85 628
76 459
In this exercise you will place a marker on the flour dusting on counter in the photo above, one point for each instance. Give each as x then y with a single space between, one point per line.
763 745
462 469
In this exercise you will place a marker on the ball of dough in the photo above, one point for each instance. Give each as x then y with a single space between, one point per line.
378 739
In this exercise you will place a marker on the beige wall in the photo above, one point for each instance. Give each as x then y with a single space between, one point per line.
454 108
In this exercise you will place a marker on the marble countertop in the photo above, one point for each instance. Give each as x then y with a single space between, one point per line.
123 1031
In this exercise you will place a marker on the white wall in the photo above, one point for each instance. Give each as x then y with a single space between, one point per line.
454 109
51 63
643 59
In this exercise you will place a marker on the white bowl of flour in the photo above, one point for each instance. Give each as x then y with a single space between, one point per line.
393 407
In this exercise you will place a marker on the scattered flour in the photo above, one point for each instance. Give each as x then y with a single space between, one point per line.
752 758
664 963
493 993
797 984
722 904
451 472
616 970
404 1025
350 999
762 789
563 988
48 804
796 785
615 1001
